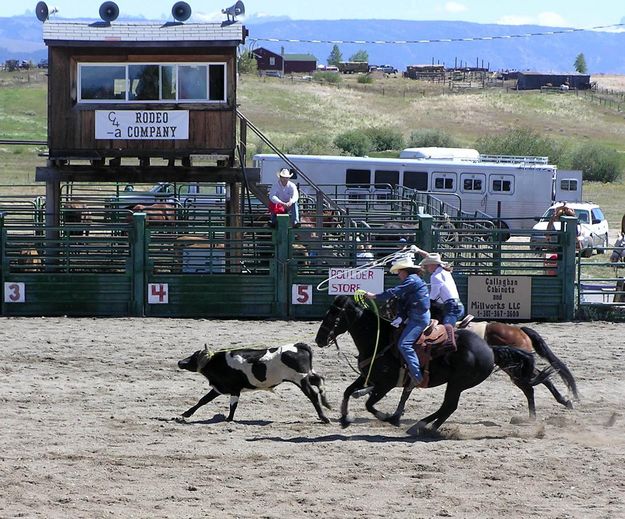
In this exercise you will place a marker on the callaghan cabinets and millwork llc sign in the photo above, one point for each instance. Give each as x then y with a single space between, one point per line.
142 124
500 297
347 281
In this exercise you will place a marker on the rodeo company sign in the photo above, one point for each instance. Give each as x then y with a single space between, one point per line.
142 124
500 297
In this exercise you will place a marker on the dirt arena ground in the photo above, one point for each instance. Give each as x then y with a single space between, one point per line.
89 430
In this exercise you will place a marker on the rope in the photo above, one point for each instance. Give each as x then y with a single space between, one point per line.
362 300
365 266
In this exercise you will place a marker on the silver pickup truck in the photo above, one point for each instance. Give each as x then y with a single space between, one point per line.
180 194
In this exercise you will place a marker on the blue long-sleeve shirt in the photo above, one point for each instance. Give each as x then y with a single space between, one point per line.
413 296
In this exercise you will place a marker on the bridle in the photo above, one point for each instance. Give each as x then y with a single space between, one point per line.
360 301
333 338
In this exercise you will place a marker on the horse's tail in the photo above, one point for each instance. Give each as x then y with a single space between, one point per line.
540 346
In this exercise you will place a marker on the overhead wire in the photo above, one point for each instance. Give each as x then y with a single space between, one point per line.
442 40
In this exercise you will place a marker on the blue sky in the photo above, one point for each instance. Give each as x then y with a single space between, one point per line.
558 13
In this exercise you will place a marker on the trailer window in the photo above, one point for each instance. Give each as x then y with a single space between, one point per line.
502 185
416 180
472 183
358 178
386 177
444 181
568 184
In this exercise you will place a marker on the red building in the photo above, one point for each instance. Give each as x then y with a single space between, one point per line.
281 64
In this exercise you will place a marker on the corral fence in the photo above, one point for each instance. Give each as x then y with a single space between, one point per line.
601 286
121 264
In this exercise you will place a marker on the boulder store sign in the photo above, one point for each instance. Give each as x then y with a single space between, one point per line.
141 124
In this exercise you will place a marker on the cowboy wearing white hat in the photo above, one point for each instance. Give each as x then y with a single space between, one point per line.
443 290
284 194
414 309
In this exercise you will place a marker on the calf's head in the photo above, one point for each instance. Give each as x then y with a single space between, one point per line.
196 361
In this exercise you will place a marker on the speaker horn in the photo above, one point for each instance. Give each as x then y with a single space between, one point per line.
109 11
233 11
181 11
42 12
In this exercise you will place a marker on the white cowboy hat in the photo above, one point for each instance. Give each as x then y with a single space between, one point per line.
433 258
405 262
284 173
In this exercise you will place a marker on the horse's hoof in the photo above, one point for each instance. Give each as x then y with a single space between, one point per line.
569 404
345 422
393 420
324 419
417 429
362 392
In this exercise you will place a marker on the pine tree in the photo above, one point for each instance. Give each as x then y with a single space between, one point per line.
580 64
335 56
362 56
247 62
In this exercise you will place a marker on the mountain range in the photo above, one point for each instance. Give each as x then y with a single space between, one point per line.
498 47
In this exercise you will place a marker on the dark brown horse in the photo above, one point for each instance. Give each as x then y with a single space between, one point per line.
465 368
525 339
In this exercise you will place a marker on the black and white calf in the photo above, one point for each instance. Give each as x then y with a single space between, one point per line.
234 371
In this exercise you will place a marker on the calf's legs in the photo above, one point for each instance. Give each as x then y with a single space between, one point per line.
314 397
211 395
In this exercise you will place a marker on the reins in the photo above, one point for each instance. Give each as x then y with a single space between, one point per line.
362 300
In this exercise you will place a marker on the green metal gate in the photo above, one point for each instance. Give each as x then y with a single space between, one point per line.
209 268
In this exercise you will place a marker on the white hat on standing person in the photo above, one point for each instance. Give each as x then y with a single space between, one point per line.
284 173
404 262
434 258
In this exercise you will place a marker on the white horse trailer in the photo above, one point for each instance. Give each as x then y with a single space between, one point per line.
516 189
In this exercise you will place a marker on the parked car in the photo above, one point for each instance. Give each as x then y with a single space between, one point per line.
43 63
592 227
187 195
387 69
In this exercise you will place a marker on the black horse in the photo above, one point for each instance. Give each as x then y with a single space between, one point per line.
468 366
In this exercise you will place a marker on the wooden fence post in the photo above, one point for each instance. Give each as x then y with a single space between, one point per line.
567 274
137 245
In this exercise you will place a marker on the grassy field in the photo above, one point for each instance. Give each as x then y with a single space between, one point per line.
291 110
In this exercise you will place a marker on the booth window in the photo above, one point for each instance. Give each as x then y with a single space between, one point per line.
152 82
103 82
192 82
144 82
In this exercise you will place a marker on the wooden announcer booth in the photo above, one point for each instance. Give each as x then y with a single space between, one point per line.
141 102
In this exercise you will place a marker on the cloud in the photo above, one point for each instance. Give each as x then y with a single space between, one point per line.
207 17
546 18
552 19
455 7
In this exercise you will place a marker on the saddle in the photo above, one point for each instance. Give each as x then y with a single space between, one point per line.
435 341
